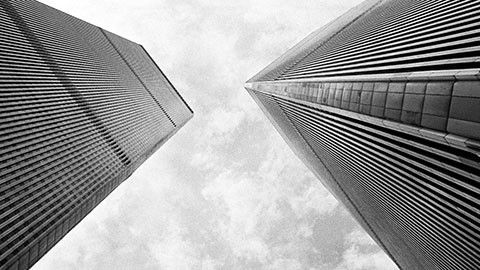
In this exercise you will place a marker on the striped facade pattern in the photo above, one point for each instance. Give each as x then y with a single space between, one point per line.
80 109
383 105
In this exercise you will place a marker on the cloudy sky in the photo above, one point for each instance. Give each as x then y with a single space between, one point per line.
225 192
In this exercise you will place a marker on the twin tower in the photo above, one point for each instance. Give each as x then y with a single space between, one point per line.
383 105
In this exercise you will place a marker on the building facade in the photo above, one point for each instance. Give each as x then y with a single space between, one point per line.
383 105
80 109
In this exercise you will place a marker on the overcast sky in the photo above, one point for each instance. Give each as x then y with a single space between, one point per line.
225 192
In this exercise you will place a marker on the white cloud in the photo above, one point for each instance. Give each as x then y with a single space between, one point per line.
286 264
225 192
210 264
174 251
316 199
280 202
356 258
221 123
358 237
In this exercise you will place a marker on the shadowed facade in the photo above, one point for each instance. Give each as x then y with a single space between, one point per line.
383 105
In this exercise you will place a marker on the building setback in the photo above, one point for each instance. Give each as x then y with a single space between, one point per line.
383 105
80 109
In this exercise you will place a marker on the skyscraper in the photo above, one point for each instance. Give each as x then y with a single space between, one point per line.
80 109
383 105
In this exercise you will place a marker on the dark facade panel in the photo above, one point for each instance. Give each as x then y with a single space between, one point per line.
75 121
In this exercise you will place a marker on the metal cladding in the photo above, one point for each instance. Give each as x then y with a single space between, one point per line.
383 105
80 110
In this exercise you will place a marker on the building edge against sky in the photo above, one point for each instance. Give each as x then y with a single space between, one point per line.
81 109
383 105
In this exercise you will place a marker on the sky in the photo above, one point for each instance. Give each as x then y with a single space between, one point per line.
225 192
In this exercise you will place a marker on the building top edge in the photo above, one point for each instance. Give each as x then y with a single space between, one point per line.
318 36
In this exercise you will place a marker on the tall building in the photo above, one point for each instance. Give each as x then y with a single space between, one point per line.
80 109
383 105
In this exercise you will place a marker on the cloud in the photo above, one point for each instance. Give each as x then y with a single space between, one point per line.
286 264
175 251
270 213
225 192
222 123
363 254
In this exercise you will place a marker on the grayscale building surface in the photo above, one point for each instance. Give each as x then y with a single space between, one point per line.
80 109
383 105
